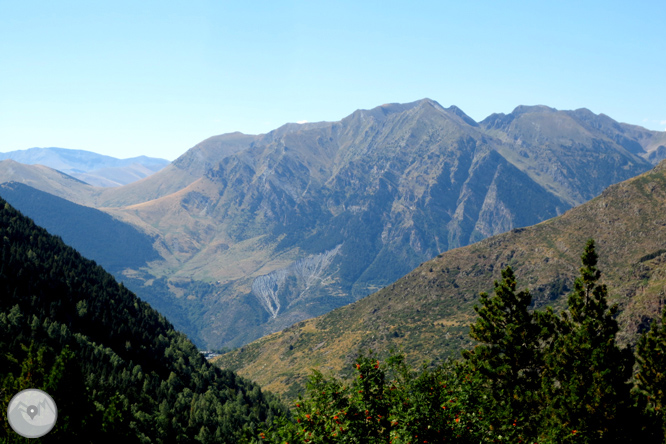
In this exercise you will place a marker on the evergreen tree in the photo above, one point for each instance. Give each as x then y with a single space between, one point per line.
585 379
508 361
651 376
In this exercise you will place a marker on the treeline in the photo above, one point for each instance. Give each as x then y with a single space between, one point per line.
536 376
116 369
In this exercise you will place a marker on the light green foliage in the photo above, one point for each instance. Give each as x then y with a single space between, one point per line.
385 402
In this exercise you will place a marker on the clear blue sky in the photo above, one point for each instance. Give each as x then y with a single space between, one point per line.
155 77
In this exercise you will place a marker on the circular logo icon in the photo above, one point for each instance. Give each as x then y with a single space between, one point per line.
32 413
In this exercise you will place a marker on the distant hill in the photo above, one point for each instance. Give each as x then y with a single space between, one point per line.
48 180
427 313
258 232
114 245
115 367
182 172
92 168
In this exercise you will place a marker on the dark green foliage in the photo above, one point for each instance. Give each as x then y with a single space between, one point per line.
113 365
650 256
508 361
586 375
651 376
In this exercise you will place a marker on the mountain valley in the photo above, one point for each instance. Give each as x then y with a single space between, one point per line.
253 234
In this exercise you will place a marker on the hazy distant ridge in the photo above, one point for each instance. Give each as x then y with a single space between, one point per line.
95 169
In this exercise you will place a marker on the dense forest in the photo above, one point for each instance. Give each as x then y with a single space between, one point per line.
535 376
113 365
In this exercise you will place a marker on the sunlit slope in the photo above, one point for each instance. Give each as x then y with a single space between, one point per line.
180 173
427 312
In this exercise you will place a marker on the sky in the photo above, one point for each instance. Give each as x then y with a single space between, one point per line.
127 78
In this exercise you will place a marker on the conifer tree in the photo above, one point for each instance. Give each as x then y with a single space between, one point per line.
585 378
508 361
651 376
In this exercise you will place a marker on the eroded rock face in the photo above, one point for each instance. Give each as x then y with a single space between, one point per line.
277 289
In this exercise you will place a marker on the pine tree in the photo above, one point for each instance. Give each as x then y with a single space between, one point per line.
651 376
508 361
586 374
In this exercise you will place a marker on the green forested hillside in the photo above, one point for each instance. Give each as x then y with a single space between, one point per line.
114 366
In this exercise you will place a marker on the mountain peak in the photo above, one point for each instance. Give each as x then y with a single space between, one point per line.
399 107
524 109
380 112
460 113
428 102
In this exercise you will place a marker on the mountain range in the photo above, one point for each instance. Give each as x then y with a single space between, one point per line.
92 168
253 233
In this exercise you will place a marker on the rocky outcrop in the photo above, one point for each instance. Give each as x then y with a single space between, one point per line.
275 289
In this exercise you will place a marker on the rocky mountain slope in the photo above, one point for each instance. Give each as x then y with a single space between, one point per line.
376 194
426 313
258 232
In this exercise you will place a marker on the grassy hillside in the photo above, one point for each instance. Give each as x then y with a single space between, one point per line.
427 312
47 180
